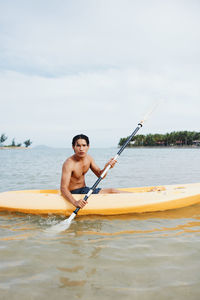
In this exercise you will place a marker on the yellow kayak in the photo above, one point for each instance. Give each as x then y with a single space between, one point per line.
138 200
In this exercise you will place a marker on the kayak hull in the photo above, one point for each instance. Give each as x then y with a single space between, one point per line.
137 200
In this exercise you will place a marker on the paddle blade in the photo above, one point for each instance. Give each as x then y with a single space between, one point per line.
62 226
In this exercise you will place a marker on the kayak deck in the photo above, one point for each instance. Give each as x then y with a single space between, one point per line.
138 200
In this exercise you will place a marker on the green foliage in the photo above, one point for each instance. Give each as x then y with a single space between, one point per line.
27 143
13 143
3 138
175 138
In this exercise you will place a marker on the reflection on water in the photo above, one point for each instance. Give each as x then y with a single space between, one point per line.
182 220
137 256
75 269
66 282
142 256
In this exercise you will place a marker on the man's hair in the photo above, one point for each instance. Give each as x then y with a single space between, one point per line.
80 136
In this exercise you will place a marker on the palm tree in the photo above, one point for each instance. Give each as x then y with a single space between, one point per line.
175 138
13 143
27 143
3 138
150 141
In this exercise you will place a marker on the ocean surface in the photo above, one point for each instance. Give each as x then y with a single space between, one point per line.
137 256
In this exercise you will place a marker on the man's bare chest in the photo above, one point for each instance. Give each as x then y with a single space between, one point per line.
80 169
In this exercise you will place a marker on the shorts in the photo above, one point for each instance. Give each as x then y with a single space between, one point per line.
85 190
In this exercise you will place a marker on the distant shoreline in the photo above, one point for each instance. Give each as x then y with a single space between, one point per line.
12 147
164 147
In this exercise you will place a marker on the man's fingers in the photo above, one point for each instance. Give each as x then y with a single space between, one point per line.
112 163
82 203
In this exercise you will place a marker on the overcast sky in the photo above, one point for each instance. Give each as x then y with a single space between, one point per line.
96 67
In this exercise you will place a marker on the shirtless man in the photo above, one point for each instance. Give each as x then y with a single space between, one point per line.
75 168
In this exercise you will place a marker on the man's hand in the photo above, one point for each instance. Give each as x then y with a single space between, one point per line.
111 162
80 203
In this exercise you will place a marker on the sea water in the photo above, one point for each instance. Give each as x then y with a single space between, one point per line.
136 256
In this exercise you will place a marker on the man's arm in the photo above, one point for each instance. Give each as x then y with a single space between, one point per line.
64 186
96 170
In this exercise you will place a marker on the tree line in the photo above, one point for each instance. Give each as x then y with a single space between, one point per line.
175 138
3 138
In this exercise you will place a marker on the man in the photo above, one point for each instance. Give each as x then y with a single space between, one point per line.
75 168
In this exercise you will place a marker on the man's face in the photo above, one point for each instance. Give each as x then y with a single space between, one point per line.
81 148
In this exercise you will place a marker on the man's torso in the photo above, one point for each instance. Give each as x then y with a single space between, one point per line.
79 169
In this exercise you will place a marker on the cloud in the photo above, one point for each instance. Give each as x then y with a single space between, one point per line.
97 67
62 38
106 101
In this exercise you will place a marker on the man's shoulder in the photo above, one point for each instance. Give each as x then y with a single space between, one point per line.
89 158
68 162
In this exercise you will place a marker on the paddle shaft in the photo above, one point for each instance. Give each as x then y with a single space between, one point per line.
109 166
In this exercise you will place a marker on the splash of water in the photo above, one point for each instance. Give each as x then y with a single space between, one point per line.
61 226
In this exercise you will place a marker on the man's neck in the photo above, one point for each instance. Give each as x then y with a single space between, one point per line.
78 158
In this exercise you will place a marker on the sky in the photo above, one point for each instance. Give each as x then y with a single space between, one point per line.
97 67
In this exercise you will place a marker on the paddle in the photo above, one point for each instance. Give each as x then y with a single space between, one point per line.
66 223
